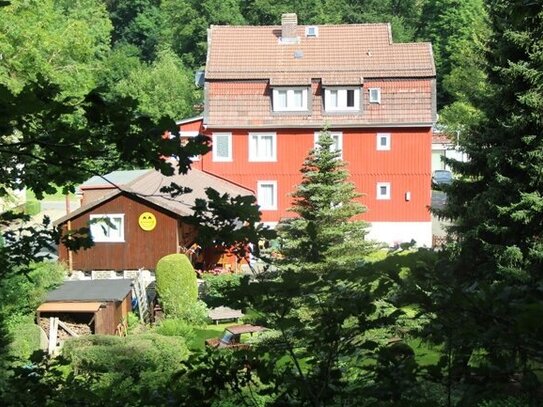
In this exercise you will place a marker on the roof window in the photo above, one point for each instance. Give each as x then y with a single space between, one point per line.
311 31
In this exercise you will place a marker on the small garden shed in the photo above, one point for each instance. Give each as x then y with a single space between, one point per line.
101 305
135 224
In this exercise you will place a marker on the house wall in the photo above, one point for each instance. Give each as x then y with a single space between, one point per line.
90 195
406 166
140 249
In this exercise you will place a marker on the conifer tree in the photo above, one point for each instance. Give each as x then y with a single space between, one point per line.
326 229
490 294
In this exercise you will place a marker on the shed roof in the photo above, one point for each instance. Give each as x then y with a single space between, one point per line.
122 177
343 53
147 187
91 291
69 307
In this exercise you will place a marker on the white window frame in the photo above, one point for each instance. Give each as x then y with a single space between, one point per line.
216 157
289 100
385 196
254 139
97 228
338 134
374 95
265 205
378 139
311 31
184 136
342 99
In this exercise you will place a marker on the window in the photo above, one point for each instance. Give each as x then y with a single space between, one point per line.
375 95
383 190
311 31
290 100
262 147
107 227
383 141
344 99
337 137
267 195
222 147
185 137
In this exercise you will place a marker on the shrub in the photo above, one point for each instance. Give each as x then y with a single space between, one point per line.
129 368
32 207
176 284
216 288
176 327
26 340
24 293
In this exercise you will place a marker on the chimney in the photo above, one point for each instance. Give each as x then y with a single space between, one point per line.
289 22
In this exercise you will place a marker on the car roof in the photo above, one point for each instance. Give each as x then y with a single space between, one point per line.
245 328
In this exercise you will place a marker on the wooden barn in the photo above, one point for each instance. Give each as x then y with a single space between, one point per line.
135 225
100 305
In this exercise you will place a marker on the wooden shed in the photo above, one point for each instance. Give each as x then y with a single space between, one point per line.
103 305
137 224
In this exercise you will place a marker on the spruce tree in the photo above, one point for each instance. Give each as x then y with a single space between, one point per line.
490 294
326 228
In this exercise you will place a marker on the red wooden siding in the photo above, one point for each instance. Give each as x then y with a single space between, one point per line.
141 249
406 166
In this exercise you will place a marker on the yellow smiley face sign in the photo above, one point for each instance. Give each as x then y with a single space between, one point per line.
147 221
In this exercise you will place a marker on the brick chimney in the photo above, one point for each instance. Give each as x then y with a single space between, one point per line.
289 22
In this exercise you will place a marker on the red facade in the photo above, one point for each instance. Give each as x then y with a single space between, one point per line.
383 127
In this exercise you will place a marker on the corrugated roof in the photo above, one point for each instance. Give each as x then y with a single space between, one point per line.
69 307
91 290
147 187
352 50
122 177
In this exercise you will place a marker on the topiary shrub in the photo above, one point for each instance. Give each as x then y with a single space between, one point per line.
176 285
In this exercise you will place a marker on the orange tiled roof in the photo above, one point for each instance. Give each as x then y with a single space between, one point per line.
342 53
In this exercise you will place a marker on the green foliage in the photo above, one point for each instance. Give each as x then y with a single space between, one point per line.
218 286
162 89
32 207
326 204
458 31
38 41
507 402
22 294
176 284
126 368
26 340
176 327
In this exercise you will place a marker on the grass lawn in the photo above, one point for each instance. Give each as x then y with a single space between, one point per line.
208 332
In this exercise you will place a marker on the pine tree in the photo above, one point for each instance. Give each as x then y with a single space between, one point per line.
492 295
325 229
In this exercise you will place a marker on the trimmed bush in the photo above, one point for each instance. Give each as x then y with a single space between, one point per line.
129 368
176 284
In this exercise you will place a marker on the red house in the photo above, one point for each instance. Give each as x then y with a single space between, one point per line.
270 90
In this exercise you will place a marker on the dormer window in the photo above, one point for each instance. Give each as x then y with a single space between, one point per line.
375 95
312 31
342 99
290 99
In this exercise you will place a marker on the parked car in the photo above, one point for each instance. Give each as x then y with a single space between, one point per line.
441 177
231 337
